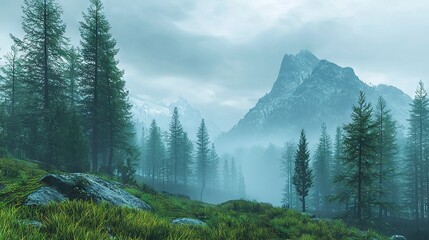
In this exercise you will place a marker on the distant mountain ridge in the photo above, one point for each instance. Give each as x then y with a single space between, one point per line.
144 111
308 92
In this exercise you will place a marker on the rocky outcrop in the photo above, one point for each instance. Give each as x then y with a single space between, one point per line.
79 186
188 221
44 196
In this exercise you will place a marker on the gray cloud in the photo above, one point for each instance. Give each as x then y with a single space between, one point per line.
223 55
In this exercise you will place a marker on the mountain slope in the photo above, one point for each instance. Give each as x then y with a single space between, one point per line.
308 92
144 111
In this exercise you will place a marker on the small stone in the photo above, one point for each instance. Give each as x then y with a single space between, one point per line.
32 223
188 221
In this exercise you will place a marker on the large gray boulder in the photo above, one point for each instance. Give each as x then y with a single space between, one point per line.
44 196
188 221
79 186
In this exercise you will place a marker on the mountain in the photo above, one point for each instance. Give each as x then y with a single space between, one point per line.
144 111
308 92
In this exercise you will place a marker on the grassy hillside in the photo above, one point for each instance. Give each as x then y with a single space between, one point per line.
84 220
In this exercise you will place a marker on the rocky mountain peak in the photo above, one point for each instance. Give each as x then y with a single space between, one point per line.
307 93
293 70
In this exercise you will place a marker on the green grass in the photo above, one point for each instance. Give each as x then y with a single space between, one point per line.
237 219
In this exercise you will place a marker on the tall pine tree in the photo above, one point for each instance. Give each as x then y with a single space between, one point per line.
386 149
104 98
287 164
44 50
359 153
417 161
322 164
202 145
175 145
303 175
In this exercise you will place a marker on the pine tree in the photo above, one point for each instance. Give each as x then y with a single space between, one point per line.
287 164
386 149
104 98
234 178
226 176
359 155
213 164
339 191
417 161
155 151
11 77
175 144
144 168
202 145
187 158
322 163
303 175
44 49
241 184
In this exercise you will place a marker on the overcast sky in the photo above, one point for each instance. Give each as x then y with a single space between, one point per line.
223 55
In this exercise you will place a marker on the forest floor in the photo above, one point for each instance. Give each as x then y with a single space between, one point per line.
236 219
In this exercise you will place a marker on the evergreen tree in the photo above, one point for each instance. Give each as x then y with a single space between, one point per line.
175 145
155 152
213 164
11 76
241 184
287 165
303 175
322 163
202 145
359 153
226 176
417 161
144 167
104 98
339 191
44 49
234 178
187 158
386 149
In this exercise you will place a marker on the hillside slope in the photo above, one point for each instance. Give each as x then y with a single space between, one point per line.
85 220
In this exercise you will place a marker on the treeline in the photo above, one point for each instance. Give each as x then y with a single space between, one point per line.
171 162
65 105
368 174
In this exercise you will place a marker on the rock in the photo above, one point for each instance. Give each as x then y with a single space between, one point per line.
32 223
188 221
44 196
79 186
397 237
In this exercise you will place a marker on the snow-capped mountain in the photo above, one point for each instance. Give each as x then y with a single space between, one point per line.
308 92
144 111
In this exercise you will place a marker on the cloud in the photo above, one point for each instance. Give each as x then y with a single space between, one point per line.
222 55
